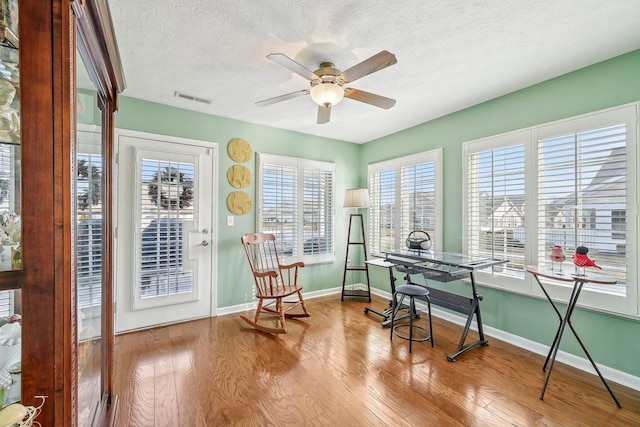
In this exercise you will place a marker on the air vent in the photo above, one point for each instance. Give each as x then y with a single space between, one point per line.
191 97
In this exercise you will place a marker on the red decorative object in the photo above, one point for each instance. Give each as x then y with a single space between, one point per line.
581 259
557 254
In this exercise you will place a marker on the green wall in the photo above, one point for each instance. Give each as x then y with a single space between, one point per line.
613 341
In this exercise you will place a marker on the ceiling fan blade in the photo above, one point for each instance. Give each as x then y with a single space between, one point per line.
369 98
285 61
324 114
282 97
376 63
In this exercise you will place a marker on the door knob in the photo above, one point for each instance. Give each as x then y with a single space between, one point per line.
204 243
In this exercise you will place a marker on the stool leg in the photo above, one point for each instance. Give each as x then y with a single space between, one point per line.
393 314
412 308
430 324
394 311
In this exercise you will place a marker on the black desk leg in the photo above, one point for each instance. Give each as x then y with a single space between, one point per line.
385 314
556 344
474 310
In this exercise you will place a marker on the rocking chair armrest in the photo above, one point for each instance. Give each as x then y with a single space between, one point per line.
295 264
269 273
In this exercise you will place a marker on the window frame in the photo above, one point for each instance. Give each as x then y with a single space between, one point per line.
300 165
492 276
397 166
592 297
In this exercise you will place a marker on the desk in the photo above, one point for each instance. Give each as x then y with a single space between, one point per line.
578 281
445 266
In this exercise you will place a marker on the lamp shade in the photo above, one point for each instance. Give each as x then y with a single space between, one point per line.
356 198
327 94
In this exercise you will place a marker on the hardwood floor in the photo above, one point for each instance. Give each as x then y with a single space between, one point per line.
338 368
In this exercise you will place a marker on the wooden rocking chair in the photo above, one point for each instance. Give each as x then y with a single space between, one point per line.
274 282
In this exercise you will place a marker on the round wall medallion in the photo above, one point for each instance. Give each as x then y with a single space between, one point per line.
239 203
239 176
239 150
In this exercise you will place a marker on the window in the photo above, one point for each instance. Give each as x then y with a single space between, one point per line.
405 196
570 183
496 202
296 204
166 196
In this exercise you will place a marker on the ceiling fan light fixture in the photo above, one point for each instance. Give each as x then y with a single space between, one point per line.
327 94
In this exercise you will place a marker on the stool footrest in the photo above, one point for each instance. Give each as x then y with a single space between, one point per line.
413 338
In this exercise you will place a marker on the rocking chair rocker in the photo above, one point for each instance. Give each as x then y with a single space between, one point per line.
274 282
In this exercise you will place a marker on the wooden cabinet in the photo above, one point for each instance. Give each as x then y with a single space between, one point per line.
44 197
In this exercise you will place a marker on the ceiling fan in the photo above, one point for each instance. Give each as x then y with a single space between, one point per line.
327 83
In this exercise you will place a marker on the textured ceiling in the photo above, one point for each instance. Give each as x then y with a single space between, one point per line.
451 54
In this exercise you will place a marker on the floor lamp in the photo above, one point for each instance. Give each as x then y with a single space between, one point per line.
356 198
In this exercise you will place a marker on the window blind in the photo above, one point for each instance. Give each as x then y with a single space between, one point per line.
6 303
582 195
6 176
296 198
317 211
165 207
382 213
496 204
405 195
279 206
89 228
580 189
417 199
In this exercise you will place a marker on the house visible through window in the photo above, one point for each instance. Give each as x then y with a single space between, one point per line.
296 204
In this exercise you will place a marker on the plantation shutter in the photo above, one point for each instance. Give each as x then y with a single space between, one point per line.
582 194
382 213
280 205
417 199
318 208
6 177
496 204
296 204
89 221
165 191
6 303
405 194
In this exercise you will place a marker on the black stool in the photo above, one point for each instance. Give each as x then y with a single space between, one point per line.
413 292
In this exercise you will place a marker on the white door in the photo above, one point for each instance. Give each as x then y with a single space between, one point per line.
165 239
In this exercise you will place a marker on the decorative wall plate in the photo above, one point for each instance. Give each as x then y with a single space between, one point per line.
239 176
239 150
238 202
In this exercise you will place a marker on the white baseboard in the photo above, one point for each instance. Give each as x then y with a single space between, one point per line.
221 311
